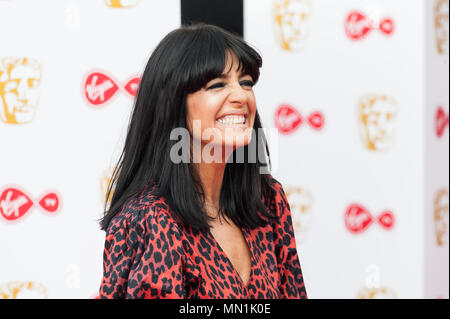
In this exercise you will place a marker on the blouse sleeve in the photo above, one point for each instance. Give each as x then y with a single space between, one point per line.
289 269
142 256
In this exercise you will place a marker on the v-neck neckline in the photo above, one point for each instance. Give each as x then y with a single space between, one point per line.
236 273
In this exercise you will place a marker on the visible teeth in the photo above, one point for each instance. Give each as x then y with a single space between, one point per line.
232 119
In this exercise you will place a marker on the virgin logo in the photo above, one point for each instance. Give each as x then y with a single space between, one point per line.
98 88
440 121
358 25
358 219
14 203
288 119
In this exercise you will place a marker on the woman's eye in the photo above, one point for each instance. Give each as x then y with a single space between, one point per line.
222 84
247 83
216 85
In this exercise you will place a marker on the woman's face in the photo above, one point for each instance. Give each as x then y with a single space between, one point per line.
222 113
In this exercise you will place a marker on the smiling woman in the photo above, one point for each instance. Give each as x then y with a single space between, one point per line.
224 107
198 229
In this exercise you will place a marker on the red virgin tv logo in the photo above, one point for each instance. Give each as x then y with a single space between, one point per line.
440 121
15 203
358 218
99 87
288 119
358 25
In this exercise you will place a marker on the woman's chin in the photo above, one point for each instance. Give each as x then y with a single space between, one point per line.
239 141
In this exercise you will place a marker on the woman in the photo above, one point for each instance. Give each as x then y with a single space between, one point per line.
201 225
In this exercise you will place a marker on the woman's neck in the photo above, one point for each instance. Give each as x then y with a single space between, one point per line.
211 177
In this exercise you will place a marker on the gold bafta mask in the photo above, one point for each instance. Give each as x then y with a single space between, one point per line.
441 25
441 218
121 3
300 202
23 290
19 89
291 22
376 293
104 184
376 117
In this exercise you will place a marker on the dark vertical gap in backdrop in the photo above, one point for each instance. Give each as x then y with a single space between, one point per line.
227 14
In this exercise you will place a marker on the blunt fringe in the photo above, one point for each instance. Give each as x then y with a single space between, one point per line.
182 63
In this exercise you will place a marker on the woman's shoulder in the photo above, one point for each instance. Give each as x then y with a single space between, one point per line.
277 191
141 211
276 185
277 203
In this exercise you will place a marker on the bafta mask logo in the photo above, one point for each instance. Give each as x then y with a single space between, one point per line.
121 3
291 23
376 120
19 89
441 25
441 218
300 202
376 293
23 290
105 180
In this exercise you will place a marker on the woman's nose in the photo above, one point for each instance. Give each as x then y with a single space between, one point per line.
238 94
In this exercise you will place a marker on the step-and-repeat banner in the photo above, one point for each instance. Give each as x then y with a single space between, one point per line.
358 91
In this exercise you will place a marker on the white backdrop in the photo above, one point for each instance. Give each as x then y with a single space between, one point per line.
327 71
355 102
69 143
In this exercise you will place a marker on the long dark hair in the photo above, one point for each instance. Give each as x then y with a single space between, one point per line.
182 63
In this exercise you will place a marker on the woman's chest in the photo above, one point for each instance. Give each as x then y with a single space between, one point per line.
213 272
